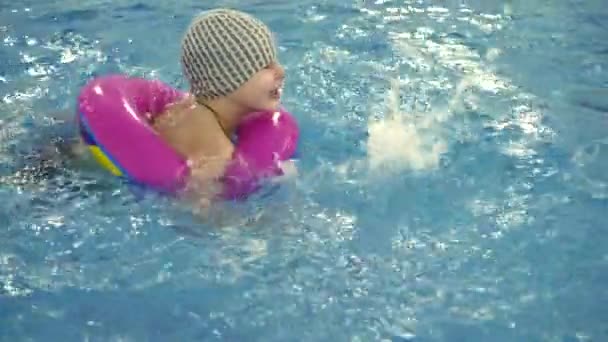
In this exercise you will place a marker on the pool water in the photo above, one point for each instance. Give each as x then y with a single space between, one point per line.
452 182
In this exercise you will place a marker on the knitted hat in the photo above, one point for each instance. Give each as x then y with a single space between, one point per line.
222 49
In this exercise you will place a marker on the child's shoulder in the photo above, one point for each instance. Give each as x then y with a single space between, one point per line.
174 113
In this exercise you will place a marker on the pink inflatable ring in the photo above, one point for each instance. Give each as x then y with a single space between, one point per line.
114 115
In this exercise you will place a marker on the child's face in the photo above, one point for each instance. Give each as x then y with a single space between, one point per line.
263 90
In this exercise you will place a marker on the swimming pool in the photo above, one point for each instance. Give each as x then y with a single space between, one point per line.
452 180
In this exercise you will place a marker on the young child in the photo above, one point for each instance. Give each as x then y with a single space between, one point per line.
230 60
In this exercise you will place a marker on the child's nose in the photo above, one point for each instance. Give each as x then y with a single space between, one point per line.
279 71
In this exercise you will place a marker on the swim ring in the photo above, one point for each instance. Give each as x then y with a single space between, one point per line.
114 117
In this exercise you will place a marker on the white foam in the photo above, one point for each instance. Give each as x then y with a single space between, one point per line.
403 141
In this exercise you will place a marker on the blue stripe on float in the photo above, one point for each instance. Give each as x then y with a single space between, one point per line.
88 133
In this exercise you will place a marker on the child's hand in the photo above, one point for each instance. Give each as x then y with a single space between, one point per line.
290 170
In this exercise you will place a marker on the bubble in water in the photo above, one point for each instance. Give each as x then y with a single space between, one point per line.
592 161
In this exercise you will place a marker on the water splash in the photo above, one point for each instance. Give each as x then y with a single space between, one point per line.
402 140
412 141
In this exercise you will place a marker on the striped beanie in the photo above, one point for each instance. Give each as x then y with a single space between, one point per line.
222 49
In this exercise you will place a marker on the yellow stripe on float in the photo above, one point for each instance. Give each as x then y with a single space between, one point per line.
104 160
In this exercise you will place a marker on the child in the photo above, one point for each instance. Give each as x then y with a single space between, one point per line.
230 60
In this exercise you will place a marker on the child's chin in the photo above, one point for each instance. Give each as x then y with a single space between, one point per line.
269 106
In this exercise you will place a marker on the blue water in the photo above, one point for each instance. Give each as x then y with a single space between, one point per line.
467 204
